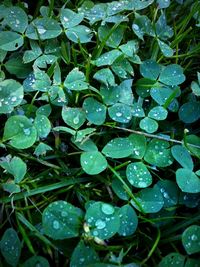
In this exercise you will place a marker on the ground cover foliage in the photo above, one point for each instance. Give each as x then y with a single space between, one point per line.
100 146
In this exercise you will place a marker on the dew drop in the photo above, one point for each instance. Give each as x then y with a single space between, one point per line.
56 225
107 209
100 224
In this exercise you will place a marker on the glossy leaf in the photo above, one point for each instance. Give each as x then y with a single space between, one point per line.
188 181
191 239
74 117
93 162
183 157
128 221
95 111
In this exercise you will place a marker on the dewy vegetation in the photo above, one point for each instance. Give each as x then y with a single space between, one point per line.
99 138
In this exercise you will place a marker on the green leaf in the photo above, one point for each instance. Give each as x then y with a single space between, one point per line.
11 95
93 162
189 112
64 129
188 181
95 111
195 86
165 49
113 38
118 148
158 113
141 26
138 175
82 134
11 247
158 153
119 190
15 166
43 125
105 76
143 87
161 94
43 28
139 144
20 131
35 261
61 220
16 19
172 260
183 157
69 18
169 191
172 75
128 221
11 187
76 80
148 125
17 67
137 110
74 117
150 69
10 41
78 34
163 3
110 95
102 219
130 48
107 58
83 255
44 110
191 239
120 113
41 149
163 31
125 92
194 140
150 199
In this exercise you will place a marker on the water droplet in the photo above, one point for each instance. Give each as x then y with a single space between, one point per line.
100 224
56 225
118 114
142 184
64 213
107 209
27 131
13 99
194 237
65 19
76 120
41 29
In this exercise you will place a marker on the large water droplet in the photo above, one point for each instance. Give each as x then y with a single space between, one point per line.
100 224
194 237
56 225
64 213
107 209
76 120
27 131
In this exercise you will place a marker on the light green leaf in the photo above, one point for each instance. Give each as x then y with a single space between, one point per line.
10 41
102 219
105 76
61 220
93 162
172 75
119 189
42 149
137 110
43 28
183 157
188 181
83 255
87 145
107 58
128 221
16 19
11 247
15 166
125 92
35 261
114 38
130 48
141 26
150 199
163 31
79 33
148 125
191 239
158 153
158 113
194 140
43 125
165 49
20 131
69 18
44 110
11 187
172 260
82 134
76 80
138 175
120 112
150 69
189 112
139 145
64 129
118 148
74 117
95 111
170 192
11 95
